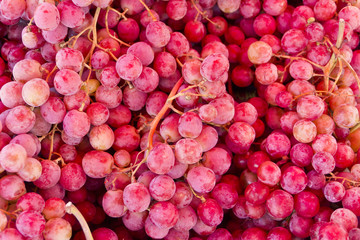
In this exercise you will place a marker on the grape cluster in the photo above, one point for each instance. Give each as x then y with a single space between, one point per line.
180 119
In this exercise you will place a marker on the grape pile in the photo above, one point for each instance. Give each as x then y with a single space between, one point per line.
179 119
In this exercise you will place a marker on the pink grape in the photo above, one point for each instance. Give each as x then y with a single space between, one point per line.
136 197
31 171
47 16
57 227
12 187
20 120
36 92
97 164
161 159
129 67
113 204
68 58
210 212
214 66
54 208
188 151
201 179
162 188
279 204
67 82
157 34
13 157
164 214
30 223
259 52
50 175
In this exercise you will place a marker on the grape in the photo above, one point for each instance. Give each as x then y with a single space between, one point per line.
306 204
20 120
113 204
55 36
256 193
147 81
304 131
201 179
47 16
241 135
97 164
301 154
127 138
274 7
264 24
188 151
54 208
293 180
154 231
164 215
129 67
157 34
301 70
143 51
67 82
128 30
136 197
182 196
68 58
300 226
169 128
57 228
323 162
98 113
116 180
210 212
225 195
71 15
218 160
354 234
30 223
31 202
187 121
350 200
207 138
50 175
13 157
12 9
194 31
259 52
324 10
164 64
161 159
134 221
334 191
279 204
10 94
324 124
12 187
31 37
214 66
310 107
346 116
36 92
101 137
269 173
110 97
31 171
72 177
277 145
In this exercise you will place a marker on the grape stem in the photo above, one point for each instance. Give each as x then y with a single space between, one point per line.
107 25
155 123
148 9
162 112
71 209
